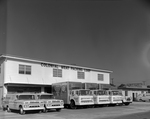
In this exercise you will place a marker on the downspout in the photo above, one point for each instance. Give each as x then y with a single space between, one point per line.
4 76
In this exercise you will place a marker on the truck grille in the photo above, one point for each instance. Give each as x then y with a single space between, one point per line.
32 106
34 102
55 101
56 105
85 101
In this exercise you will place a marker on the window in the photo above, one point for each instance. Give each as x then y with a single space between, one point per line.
100 77
126 93
80 75
24 69
57 72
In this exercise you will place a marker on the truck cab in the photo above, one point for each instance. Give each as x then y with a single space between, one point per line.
22 102
50 102
101 97
116 97
80 97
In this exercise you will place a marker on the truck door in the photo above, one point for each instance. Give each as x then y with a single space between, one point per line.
10 102
64 93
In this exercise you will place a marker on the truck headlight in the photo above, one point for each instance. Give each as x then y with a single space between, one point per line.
62 102
26 106
26 102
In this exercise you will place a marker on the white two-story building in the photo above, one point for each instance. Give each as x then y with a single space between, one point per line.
27 75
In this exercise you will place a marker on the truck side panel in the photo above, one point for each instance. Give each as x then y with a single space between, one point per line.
62 90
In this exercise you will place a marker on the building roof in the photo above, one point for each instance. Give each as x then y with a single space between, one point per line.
48 63
133 86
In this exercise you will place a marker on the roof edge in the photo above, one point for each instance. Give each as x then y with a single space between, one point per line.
41 61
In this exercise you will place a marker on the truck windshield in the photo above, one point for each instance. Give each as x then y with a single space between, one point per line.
26 97
46 97
85 92
116 93
101 92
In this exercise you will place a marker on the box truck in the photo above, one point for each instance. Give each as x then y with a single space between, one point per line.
73 94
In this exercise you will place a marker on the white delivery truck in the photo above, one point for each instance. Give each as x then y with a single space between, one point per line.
116 97
50 102
127 98
73 94
22 102
101 97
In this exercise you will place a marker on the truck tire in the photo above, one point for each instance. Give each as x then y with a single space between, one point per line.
4 108
58 110
8 109
72 104
22 112
141 100
127 104
44 110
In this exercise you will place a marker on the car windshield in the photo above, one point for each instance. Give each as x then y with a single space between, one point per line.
46 97
85 92
26 97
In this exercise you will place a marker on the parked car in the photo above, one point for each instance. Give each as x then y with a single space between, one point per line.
145 97
22 102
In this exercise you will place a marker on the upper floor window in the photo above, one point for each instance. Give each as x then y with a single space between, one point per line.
24 69
57 72
100 77
80 75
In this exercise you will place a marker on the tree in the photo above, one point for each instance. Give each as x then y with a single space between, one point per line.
148 86
122 85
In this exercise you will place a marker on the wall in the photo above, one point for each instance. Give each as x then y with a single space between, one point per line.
133 92
1 79
44 75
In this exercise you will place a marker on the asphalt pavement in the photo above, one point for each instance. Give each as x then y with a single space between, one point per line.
136 110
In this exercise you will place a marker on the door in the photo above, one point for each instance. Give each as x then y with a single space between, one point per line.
133 95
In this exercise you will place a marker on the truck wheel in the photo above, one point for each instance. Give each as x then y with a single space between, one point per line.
8 109
4 108
44 110
58 110
141 100
72 105
21 111
127 104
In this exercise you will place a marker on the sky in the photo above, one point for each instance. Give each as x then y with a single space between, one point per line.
105 34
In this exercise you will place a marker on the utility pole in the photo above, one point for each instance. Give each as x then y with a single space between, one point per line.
112 81
144 82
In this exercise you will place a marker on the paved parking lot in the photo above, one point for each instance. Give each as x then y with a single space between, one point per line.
116 112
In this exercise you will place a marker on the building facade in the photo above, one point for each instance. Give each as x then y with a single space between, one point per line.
134 89
27 75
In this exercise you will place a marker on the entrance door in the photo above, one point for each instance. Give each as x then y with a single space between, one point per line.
48 89
133 95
